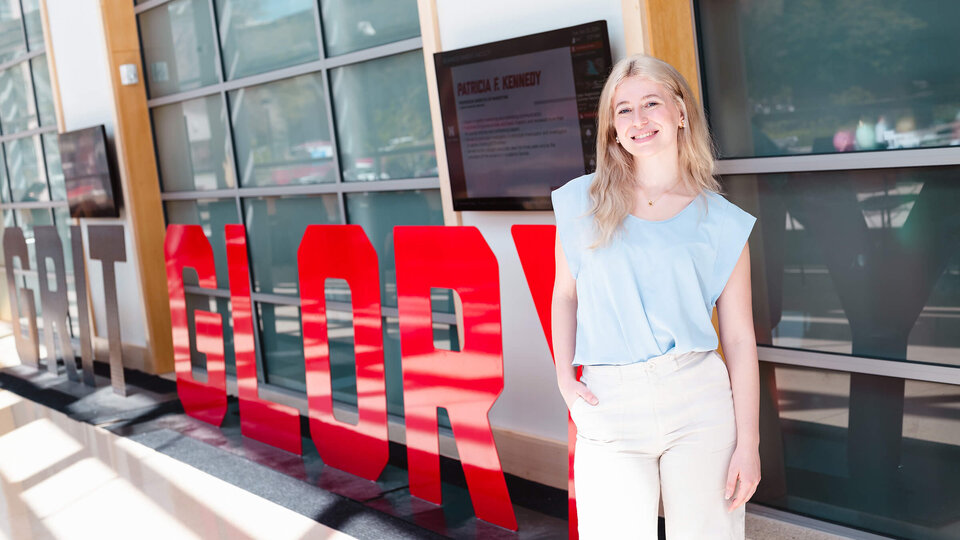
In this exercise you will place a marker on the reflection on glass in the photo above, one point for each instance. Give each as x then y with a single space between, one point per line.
24 167
445 336
192 147
263 35
17 109
178 47
220 306
275 226
11 31
61 217
4 185
212 215
41 83
819 472
378 213
27 220
58 189
31 18
281 133
383 119
860 262
811 77
282 346
349 25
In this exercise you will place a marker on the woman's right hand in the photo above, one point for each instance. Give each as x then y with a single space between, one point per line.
572 389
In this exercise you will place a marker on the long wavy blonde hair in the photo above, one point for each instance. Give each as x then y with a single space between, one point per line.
613 190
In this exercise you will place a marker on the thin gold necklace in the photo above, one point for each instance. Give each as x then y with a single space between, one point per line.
651 201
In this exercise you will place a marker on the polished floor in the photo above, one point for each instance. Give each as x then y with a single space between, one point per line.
135 467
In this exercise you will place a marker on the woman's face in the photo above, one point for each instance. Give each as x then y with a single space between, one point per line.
646 117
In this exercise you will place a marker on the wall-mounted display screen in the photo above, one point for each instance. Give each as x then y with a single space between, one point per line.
519 115
91 184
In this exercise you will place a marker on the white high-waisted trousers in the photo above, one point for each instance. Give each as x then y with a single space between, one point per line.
661 426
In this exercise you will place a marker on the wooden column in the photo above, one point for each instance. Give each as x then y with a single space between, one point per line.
139 179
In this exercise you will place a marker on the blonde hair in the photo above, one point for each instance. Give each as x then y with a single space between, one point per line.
613 190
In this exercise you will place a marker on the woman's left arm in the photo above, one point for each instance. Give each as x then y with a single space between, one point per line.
735 314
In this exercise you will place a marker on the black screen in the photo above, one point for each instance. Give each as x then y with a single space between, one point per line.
88 173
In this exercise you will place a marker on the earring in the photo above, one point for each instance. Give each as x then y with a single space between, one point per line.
681 123
618 140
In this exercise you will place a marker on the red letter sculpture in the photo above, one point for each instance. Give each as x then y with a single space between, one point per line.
344 251
271 423
187 246
466 383
535 246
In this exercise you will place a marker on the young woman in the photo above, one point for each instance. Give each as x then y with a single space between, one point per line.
646 247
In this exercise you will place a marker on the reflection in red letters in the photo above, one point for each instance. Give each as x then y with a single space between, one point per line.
466 383
187 247
535 245
345 252
272 423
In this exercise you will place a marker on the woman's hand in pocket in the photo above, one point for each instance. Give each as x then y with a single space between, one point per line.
572 389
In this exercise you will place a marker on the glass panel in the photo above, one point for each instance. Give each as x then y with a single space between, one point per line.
819 77
17 110
4 185
349 25
213 305
51 149
212 215
178 47
883 464
41 82
275 227
192 146
31 18
281 133
857 262
378 213
23 165
61 217
262 35
11 31
28 220
383 119
282 345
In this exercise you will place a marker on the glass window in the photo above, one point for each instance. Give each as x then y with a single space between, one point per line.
192 146
213 305
11 31
51 149
4 185
178 47
212 215
17 110
379 212
281 133
383 119
24 160
41 83
275 226
31 18
799 77
860 262
28 220
829 470
282 346
349 25
63 221
263 35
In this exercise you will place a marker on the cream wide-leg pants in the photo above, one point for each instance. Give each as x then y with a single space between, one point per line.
664 426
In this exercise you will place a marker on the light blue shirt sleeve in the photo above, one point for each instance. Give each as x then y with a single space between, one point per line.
734 233
569 207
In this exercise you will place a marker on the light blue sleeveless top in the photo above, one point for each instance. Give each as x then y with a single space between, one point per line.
651 291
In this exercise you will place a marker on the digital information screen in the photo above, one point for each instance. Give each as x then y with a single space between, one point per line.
519 116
